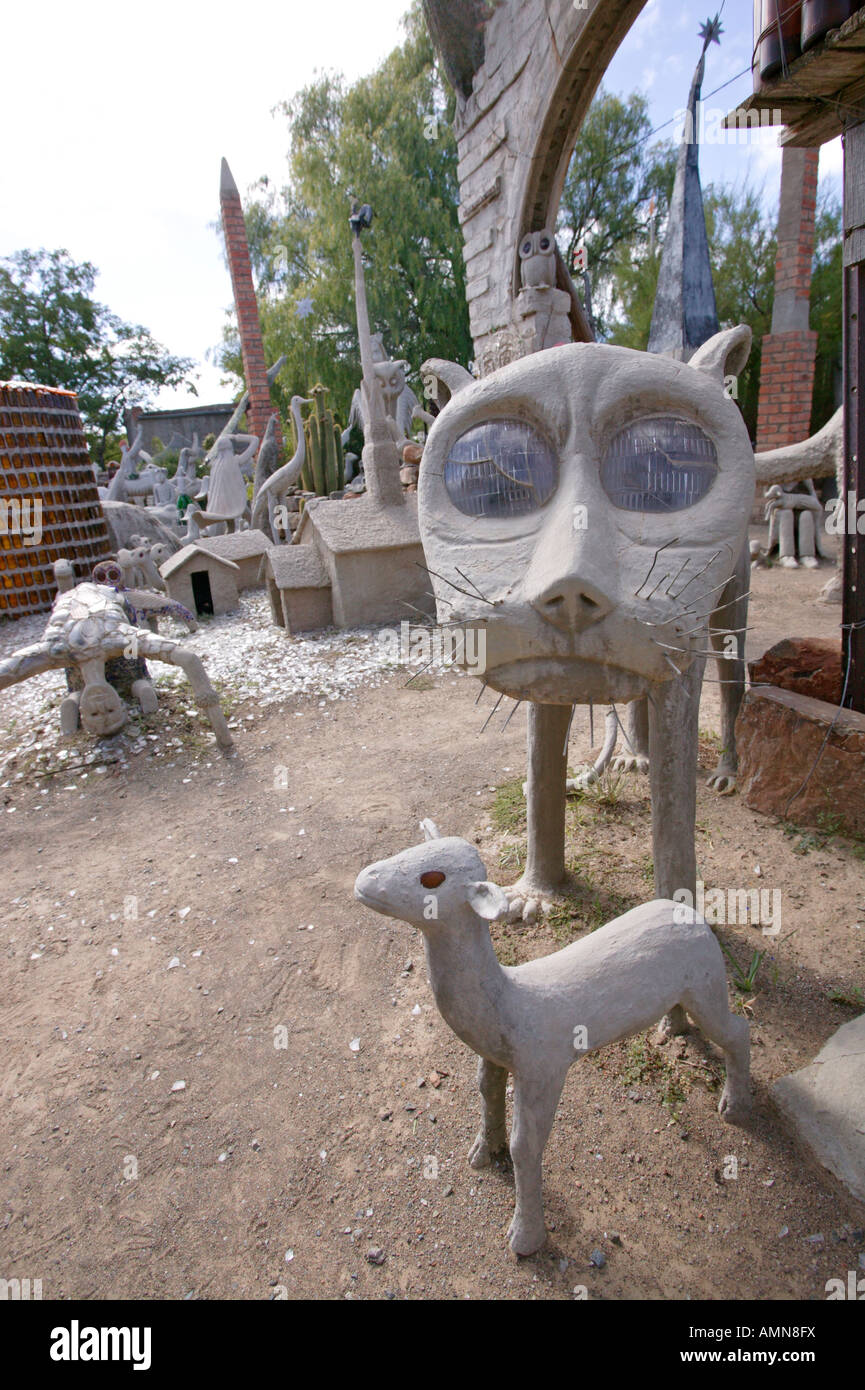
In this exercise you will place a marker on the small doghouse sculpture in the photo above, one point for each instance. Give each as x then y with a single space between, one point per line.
202 582
298 587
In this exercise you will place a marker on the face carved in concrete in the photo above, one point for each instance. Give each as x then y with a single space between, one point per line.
102 711
598 498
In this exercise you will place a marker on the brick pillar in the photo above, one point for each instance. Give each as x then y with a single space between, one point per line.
260 408
787 371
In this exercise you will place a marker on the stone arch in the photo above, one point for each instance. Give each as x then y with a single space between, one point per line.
524 78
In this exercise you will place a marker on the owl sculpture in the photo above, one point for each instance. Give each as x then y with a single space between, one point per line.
538 260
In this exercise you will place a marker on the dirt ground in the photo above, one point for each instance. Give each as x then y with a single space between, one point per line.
191 920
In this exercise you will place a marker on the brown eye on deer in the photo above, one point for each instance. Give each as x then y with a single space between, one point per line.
433 879
503 468
659 465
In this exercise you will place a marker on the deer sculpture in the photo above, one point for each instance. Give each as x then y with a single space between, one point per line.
535 1020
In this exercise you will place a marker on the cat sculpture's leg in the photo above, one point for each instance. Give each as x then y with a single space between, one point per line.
635 756
492 1083
727 634
674 709
544 873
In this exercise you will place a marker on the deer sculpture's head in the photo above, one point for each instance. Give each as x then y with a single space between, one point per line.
431 884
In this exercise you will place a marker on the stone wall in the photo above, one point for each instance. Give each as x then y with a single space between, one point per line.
543 62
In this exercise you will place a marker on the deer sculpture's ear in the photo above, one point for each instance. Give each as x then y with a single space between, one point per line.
488 900
430 830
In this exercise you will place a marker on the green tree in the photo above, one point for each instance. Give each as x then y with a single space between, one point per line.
826 310
386 140
53 332
617 192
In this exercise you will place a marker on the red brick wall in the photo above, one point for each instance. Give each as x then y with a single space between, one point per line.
260 408
787 371
786 383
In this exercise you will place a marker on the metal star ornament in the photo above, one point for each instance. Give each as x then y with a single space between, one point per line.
711 31
304 308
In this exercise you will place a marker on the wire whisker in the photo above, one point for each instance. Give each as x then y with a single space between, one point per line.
492 711
675 541
444 580
517 704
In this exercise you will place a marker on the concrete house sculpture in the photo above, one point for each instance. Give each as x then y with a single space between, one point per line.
535 1020
202 581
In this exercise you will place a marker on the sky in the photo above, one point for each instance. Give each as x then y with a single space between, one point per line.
116 120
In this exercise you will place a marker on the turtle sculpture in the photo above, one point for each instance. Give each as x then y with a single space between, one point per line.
90 624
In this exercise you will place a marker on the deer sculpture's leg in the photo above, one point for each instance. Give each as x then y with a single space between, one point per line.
161 649
727 635
492 1081
635 757
674 710
710 1011
535 1101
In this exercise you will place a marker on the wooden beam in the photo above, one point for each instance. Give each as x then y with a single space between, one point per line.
853 607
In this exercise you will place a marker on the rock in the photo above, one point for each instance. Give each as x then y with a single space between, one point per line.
598 1259
805 665
780 738
375 1255
412 453
824 1105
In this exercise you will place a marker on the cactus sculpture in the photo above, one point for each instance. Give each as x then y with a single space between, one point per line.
324 470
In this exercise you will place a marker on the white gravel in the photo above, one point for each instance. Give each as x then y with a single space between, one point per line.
246 656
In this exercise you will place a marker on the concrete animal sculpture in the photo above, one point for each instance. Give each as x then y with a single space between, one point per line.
89 624
538 260
535 1020
271 488
587 507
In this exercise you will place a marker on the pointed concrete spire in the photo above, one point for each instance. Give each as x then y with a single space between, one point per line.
685 313
227 186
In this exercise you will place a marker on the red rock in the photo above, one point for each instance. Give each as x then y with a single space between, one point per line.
805 665
784 768
412 453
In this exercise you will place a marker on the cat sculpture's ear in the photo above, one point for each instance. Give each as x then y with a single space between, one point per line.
725 354
442 379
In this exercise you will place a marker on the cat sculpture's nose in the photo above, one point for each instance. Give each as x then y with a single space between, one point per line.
572 604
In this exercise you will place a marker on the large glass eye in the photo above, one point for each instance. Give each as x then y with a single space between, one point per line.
501 469
659 465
